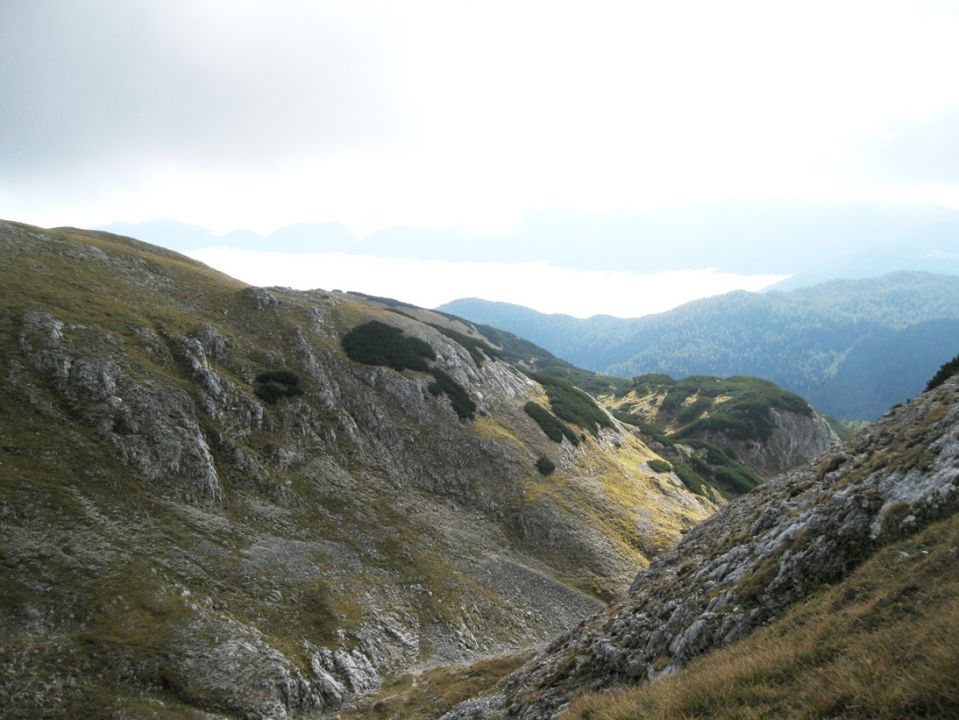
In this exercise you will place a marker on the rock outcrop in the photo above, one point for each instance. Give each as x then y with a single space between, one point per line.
794 439
749 563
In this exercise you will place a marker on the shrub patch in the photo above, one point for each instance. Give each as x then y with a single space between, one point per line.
545 466
272 385
376 343
659 466
572 404
549 424
459 398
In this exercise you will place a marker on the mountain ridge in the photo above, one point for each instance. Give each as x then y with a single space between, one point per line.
797 339
812 241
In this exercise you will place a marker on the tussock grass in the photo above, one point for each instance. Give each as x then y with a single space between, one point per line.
882 644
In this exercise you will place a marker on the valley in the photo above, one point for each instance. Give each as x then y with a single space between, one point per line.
224 501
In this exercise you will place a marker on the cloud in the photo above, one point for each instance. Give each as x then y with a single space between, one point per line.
114 85
256 114
913 150
536 285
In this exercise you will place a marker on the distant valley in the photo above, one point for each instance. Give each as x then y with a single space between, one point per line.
853 348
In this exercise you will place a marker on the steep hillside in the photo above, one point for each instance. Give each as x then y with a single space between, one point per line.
882 644
227 501
850 347
704 468
768 559
750 420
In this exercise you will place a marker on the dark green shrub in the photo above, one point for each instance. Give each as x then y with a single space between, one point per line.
659 466
690 478
461 401
646 428
694 409
376 343
572 404
549 424
734 480
272 385
545 466
944 373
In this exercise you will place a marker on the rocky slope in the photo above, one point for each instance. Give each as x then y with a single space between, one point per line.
207 509
721 436
754 560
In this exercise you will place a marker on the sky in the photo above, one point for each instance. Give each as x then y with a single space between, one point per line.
450 115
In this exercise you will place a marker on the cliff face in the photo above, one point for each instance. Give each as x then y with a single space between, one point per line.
754 421
760 555
206 503
794 439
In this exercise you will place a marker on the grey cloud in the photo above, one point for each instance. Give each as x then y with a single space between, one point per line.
120 81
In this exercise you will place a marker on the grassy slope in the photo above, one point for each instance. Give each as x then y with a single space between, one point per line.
674 412
712 474
534 358
883 643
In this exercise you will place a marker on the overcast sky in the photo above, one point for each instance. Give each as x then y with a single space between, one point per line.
261 114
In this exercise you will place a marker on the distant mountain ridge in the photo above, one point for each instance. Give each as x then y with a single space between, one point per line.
853 348
811 241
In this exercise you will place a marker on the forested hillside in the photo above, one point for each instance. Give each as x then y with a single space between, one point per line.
852 348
